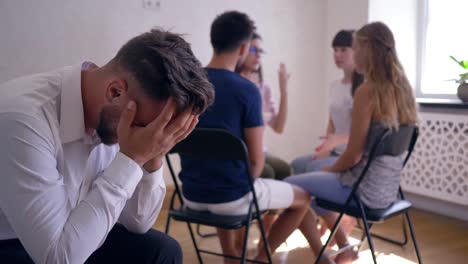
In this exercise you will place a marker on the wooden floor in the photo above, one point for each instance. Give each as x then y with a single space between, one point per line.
442 240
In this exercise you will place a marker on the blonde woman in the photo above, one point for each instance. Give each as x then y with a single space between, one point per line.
384 100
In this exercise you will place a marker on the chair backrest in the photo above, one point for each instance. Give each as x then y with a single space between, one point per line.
213 144
389 142
210 144
393 142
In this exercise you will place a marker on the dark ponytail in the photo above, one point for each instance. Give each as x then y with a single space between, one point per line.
356 80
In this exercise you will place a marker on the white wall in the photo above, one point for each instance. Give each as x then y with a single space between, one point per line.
400 15
298 41
341 14
42 35
402 18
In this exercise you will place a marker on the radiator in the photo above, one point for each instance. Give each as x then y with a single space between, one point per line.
439 165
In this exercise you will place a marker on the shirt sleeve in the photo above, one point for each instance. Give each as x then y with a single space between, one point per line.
35 200
141 211
253 114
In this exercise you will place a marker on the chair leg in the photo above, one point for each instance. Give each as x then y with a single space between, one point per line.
367 230
394 241
197 250
199 233
335 227
244 245
391 240
363 235
168 223
266 245
413 237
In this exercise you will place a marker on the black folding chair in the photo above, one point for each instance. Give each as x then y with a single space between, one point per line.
389 142
204 235
215 144
394 241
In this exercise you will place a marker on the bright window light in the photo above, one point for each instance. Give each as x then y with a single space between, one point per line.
446 35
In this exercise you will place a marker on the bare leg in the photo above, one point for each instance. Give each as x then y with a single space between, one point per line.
341 237
309 229
287 222
347 225
239 235
347 257
323 227
226 239
268 220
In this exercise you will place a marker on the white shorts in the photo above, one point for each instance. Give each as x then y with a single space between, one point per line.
271 194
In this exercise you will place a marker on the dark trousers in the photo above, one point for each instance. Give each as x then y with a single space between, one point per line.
275 168
121 246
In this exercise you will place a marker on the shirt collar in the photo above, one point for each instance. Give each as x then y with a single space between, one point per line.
72 123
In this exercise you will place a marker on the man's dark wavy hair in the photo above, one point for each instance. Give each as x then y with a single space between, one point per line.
164 66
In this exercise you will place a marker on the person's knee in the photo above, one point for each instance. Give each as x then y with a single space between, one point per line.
170 251
301 197
280 167
282 171
174 250
268 172
297 166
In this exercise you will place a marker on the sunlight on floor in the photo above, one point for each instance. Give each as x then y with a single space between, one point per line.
296 240
365 257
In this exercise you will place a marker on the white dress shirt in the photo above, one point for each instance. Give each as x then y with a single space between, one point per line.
61 190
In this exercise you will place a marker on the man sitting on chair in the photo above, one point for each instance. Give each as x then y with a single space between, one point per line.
64 181
222 187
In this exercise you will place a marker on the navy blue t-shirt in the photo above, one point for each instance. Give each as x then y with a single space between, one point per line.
237 106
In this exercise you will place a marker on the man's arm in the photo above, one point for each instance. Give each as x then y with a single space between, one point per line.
36 202
141 211
144 145
253 131
254 142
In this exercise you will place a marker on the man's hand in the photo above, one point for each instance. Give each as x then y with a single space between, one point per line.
148 145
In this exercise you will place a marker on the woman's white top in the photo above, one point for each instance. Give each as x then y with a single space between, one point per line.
341 104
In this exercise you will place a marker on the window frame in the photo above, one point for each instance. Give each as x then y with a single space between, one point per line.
422 24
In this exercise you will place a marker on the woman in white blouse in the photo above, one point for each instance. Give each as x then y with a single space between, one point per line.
341 101
339 124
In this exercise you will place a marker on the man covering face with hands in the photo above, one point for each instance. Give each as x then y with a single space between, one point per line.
82 149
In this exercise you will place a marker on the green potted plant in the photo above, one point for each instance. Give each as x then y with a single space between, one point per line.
462 91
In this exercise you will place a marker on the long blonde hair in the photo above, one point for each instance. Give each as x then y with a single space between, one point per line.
391 95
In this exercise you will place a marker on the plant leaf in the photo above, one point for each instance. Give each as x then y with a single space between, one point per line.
464 64
454 59
463 77
461 63
458 62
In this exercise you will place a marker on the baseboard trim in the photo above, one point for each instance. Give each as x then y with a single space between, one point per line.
438 206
